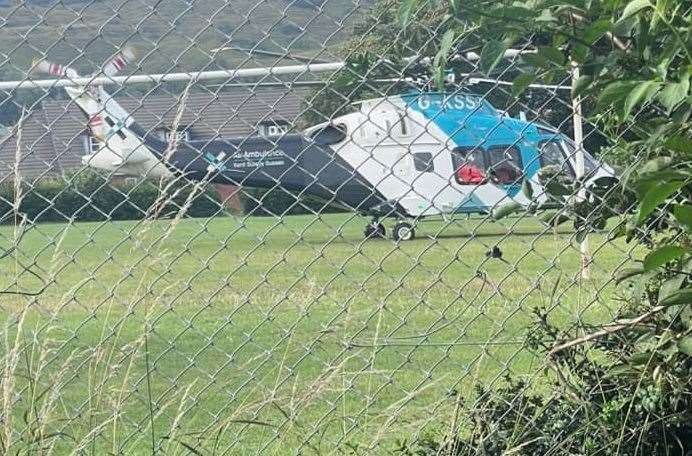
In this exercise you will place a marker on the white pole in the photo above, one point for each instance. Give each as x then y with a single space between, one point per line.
509 83
171 77
509 53
579 161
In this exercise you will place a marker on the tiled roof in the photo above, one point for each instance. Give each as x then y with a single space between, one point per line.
36 155
54 135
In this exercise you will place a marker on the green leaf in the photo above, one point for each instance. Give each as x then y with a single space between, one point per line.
685 345
663 255
515 11
596 30
491 54
580 85
634 7
445 46
656 164
506 210
670 286
527 189
686 316
647 180
624 27
553 218
679 144
674 93
439 76
614 95
580 52
642 93
655 196
521 82
546 16
660 12
683 214
556 189
626 273
552 54
683 296
535 60
405 11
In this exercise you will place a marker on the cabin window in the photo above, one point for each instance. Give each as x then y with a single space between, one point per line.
402 124
505 165
552 154
330 134
91 144
423 162
468 165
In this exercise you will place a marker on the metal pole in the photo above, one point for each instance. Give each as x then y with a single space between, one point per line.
579 161
170 77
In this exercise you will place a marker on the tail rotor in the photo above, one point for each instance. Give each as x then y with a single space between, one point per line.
93 100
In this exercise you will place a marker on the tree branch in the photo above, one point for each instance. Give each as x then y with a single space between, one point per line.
619 325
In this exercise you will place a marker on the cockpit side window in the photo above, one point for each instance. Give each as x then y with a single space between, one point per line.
552 154
330 134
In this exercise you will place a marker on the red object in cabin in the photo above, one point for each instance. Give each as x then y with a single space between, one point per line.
470 174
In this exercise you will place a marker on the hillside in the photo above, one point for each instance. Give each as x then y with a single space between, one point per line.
171 34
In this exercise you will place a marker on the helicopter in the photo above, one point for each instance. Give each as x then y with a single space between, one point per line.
408 157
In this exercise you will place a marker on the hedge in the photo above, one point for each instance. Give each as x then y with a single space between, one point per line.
277 202
87 196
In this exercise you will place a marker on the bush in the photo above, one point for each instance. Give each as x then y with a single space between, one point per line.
278 202
87 196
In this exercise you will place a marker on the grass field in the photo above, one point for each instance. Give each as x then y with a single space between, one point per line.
274 337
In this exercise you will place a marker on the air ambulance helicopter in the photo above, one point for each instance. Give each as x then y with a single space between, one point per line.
408 157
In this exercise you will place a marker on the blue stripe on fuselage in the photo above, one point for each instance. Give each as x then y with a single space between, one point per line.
468 120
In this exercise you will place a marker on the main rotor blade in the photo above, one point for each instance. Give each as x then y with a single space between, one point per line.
54 69
118 62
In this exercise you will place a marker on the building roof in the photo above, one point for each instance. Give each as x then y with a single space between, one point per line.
36 155
53 136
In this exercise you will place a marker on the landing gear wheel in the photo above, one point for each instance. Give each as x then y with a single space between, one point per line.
403 231
374 230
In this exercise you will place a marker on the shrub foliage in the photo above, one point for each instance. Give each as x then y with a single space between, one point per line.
87 196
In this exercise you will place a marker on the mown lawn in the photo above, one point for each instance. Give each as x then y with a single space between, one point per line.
266 336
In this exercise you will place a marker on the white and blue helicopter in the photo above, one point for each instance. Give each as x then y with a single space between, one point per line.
407 157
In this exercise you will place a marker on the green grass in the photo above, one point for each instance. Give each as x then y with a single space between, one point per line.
264 336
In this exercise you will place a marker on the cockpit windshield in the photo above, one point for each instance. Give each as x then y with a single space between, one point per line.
553 154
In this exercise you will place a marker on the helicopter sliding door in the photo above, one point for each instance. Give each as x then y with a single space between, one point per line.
505 168
487 177
430 189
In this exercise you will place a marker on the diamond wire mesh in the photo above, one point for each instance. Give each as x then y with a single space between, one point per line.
157 319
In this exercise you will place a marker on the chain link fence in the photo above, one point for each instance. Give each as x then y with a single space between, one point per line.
303 247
